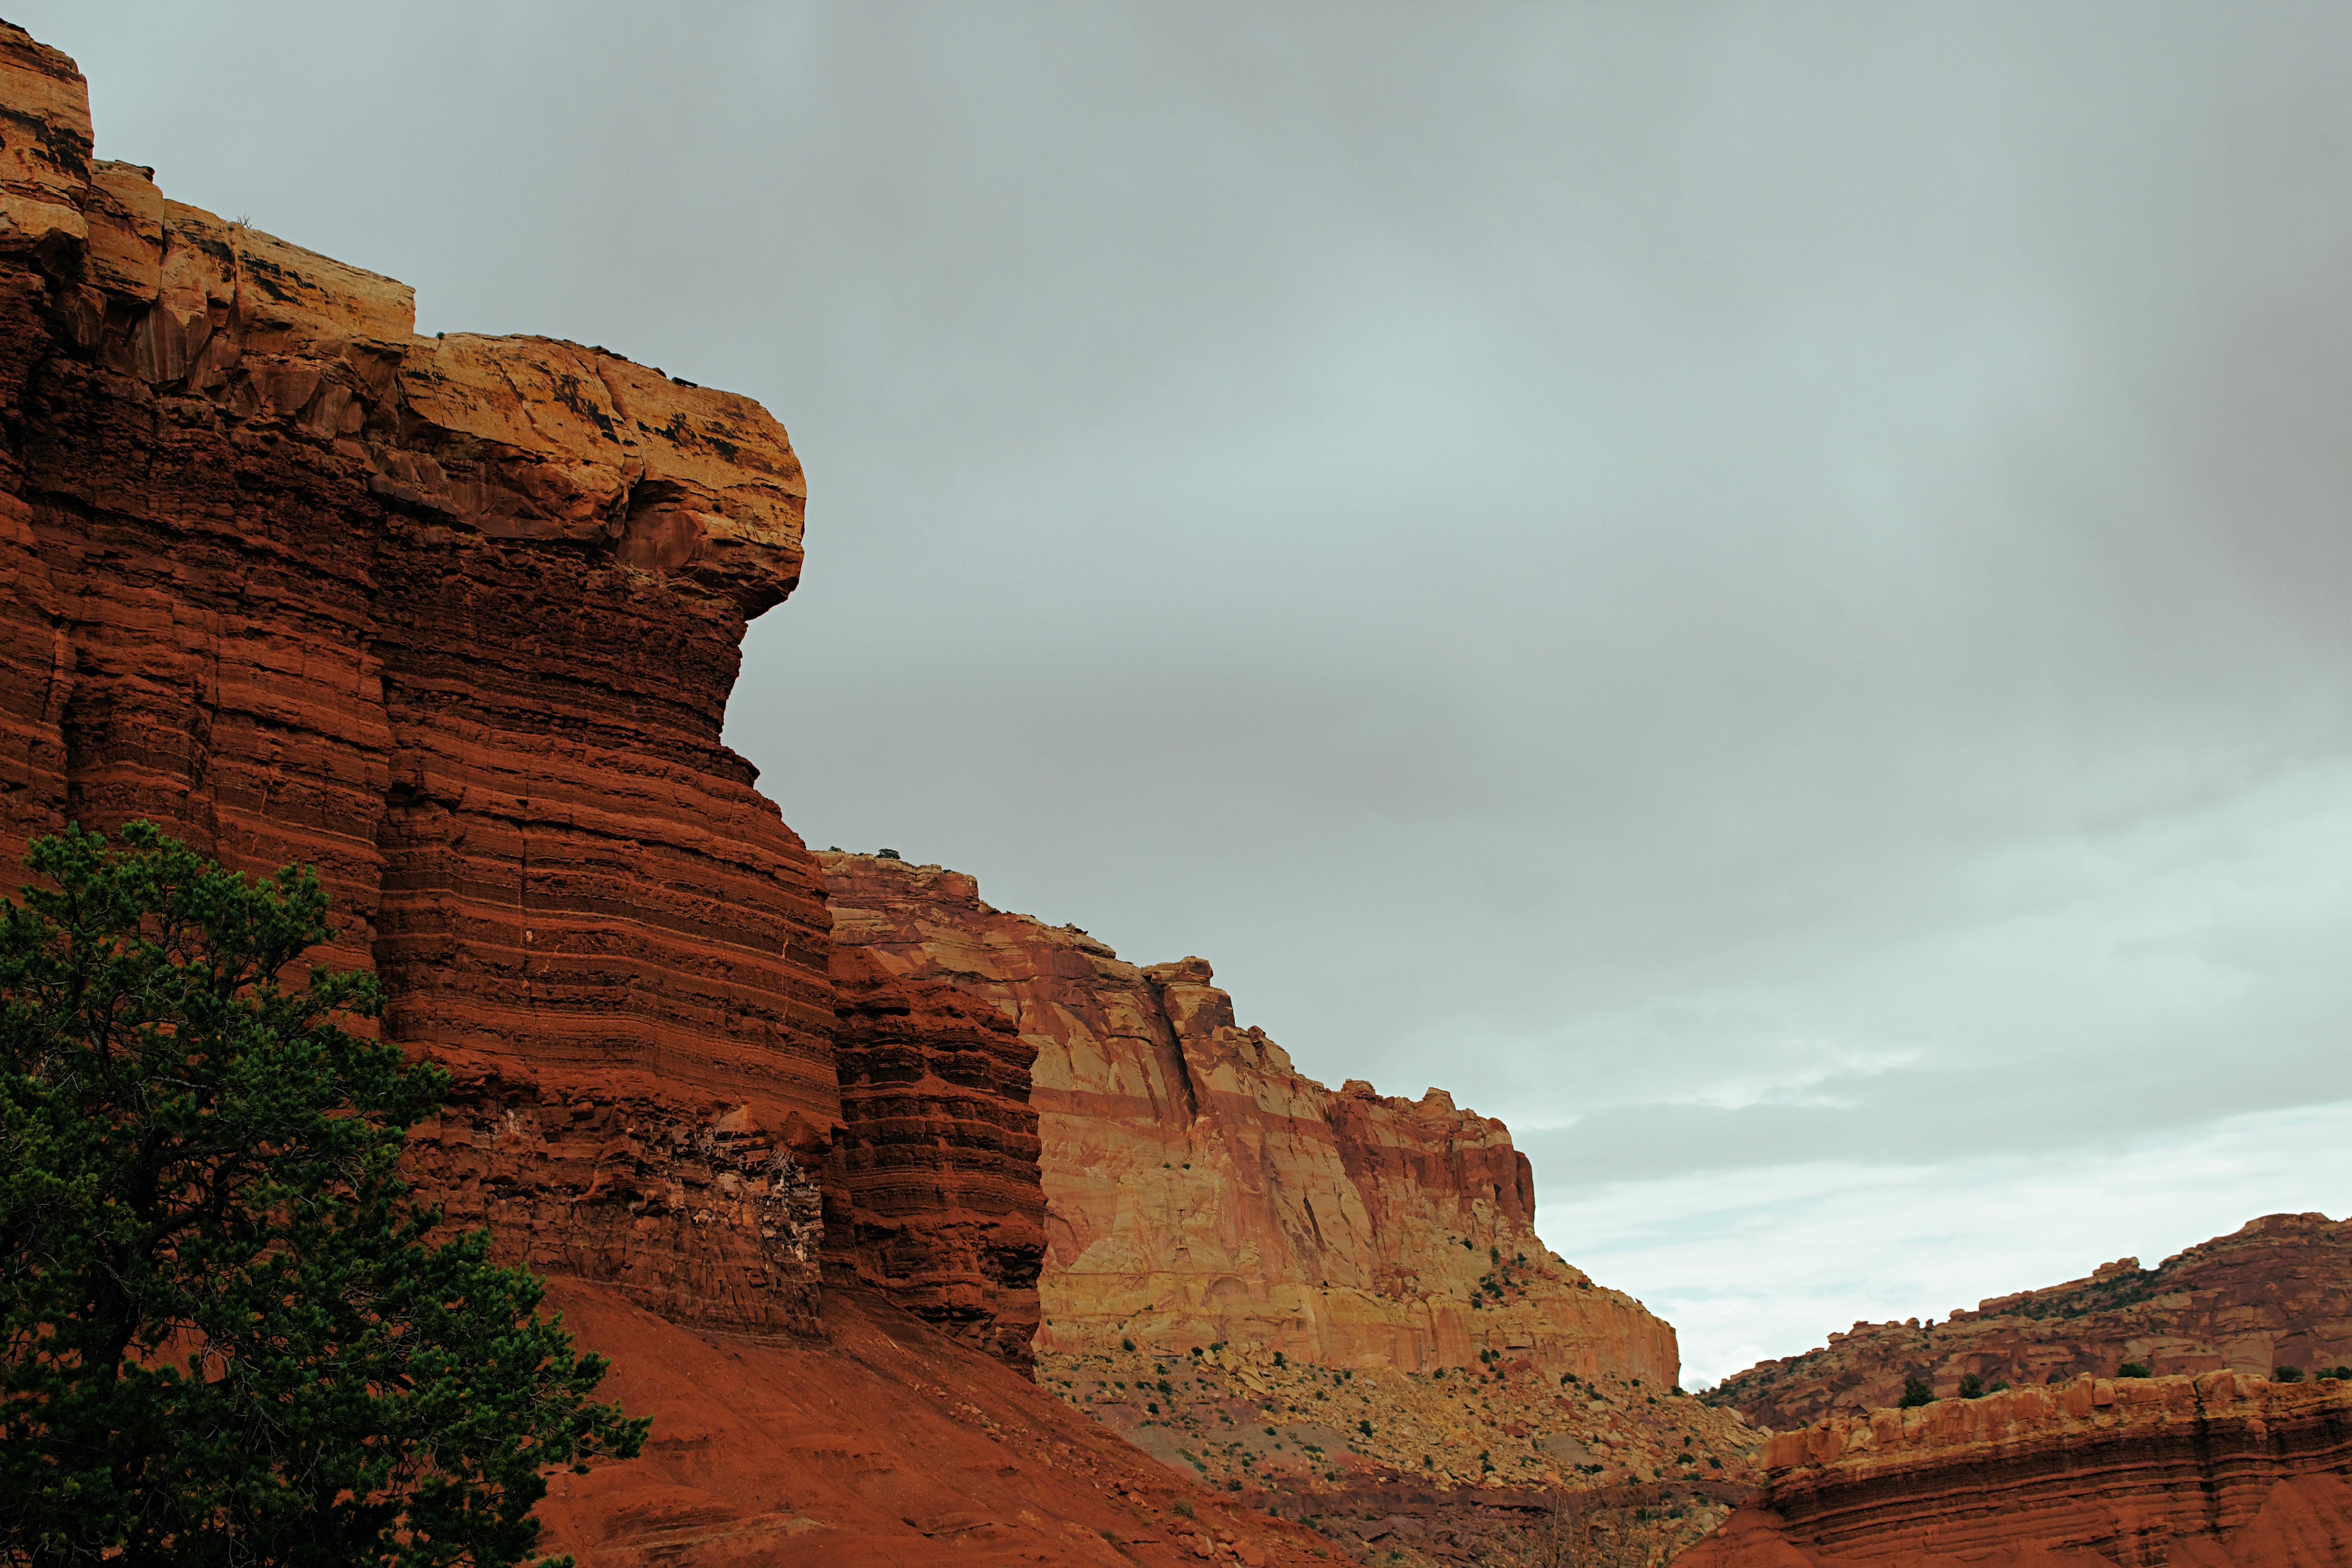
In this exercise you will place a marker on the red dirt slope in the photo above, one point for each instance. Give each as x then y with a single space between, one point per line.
886 1443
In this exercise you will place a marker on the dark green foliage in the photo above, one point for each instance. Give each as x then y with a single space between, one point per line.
228 1339
1998 1387
1972 1385
2343 1373
1916 1391
2132 1369
2287 1374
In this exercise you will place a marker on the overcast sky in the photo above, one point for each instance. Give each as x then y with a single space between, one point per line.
1760 591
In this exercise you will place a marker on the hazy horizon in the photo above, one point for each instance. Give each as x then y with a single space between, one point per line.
1757 591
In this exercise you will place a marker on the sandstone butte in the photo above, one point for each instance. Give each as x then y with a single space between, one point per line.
1200 1190
454 620
2276 1292
2219 1470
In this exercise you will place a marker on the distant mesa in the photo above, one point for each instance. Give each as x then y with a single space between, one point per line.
2277 1292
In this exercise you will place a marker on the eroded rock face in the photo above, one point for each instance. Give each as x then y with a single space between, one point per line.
454 620
1199 1190
937 1156
2276 1292
2214 1470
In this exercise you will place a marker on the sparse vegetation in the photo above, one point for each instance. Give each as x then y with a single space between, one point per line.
2132 1369
1915 1393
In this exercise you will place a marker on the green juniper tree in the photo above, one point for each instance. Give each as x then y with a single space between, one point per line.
227 1337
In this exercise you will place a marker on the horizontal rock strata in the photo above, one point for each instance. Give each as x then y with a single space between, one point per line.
1199 1190
939 1155
453 620
2210 1471
2275 1293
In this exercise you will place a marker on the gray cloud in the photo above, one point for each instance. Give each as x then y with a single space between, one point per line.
1742 585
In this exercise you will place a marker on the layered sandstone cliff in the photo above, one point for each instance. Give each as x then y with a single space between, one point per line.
1199 1190
2275 1293
2215 1471
454 620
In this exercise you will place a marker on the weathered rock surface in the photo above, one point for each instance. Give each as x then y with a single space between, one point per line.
2212 1471
454 621
2276 1292
1199 1190
939 1155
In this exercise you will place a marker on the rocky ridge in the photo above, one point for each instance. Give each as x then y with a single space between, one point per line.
454 620
2277 1292
2211 1471
1199 1190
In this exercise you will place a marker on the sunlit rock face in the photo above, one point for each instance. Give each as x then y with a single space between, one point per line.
2275 1292
2219 1470
1199 1190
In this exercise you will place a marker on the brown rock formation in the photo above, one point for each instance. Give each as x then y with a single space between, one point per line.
454 621
2211 1471
2277 1292
939 1155
1199 1190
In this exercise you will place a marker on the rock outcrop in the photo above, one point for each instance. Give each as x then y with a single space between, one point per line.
937 1156
1199 1190
2211 1471
2275 1293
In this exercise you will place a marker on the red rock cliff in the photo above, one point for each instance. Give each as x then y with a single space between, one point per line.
937 1156
2217 1471
1198 1189
452 619
2276 1292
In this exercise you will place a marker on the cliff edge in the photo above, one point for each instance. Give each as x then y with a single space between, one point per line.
1199 1190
